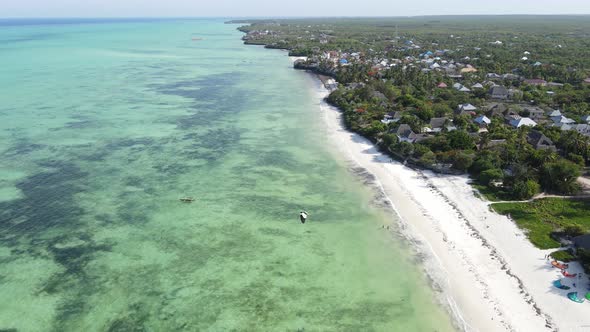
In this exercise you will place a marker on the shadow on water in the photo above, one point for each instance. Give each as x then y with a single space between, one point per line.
213 144
22 147
48 202
215 97
46 222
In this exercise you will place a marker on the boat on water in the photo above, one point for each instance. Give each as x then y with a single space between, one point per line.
303 216
187 199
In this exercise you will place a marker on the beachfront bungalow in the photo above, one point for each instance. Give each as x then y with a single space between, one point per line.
468 69
557 120
420 137
511 114
540 141
331 84
499 92
493 76
437 124
392 117
535 113
467 108
563 126
517 123
464 89
482 121
405 134
355 85
477 86
582 128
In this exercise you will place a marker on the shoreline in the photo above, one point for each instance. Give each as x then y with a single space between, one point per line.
487 273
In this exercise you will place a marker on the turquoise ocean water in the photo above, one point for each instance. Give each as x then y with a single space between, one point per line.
104 125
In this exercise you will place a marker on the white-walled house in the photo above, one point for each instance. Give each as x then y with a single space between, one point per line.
517 123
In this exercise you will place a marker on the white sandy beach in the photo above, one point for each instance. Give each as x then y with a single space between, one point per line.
490 276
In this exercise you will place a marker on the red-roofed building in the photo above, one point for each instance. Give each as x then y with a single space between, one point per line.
442 85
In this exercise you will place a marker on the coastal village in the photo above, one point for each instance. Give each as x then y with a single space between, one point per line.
437 105
490 96
502 102
511 99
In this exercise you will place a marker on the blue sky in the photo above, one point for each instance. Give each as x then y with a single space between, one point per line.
244 8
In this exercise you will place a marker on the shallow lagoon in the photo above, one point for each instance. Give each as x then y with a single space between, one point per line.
105 126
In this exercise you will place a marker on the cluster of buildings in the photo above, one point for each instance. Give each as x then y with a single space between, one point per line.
502 100
428 61
529 116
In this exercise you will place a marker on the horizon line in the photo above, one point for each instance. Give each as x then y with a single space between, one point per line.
282 17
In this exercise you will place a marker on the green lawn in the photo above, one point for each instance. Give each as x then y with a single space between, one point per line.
492 195
542 217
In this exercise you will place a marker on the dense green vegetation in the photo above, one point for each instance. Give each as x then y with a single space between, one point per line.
503 98
543 34
545 219
563 256
512 168
492 194
394 67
